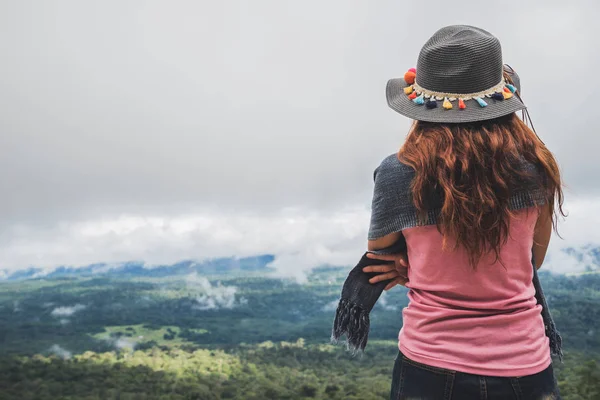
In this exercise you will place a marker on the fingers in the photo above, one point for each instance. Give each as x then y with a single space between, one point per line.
383 257
402 271
384 277
391 284
379 268
398 281
401 258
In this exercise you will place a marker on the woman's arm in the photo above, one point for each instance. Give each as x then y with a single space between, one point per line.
398 272
541 235
384 241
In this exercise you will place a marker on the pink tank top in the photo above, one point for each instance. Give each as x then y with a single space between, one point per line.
484 321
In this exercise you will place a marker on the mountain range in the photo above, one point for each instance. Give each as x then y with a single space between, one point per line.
581 260
140 269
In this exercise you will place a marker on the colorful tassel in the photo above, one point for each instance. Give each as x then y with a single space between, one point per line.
419 100
511 87
413 95
507 95
408 89
431 103
481 102
498 96
409 77
447 104
461 104
507 90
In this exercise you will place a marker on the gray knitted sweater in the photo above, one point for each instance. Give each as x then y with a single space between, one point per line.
392 209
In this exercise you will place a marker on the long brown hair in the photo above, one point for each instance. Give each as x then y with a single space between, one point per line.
474 167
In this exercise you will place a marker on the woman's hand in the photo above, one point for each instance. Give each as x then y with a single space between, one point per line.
397 272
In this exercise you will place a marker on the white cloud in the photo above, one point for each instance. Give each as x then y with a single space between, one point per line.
382 302
299 238
61 352
120 342
578 232
125 343
269 114
579 260
91 152
67 311
331 306
213 297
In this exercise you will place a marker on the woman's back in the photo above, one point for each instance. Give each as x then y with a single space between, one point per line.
482 321
463 193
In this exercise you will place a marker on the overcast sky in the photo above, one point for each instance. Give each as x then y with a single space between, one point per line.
159 131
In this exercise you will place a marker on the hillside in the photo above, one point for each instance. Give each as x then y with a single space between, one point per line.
248 337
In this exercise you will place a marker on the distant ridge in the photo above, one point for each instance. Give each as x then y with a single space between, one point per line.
584 259
139 268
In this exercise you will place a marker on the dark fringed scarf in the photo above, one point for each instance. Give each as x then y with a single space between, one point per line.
551 331
392 211
358 299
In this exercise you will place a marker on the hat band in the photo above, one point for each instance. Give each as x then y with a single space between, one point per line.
453 96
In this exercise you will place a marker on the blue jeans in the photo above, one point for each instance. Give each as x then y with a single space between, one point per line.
413 380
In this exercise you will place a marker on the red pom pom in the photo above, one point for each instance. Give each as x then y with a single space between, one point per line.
413 70
409 77
413 95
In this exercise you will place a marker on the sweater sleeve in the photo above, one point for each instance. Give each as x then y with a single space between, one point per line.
391 204
392 208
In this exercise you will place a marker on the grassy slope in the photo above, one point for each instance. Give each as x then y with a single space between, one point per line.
256 342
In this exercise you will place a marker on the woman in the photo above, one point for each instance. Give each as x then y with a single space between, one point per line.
471 193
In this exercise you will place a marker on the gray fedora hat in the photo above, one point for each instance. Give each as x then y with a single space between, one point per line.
460 77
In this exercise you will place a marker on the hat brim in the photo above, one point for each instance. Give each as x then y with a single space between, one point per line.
399 102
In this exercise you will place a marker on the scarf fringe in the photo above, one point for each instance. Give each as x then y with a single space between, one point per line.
555 341
353 321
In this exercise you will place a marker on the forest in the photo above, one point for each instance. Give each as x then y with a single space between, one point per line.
230 336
